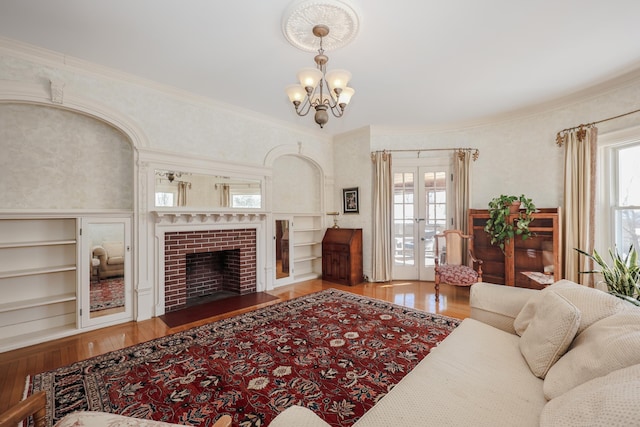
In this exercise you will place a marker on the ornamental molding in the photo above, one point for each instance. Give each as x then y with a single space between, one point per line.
175 217
301 16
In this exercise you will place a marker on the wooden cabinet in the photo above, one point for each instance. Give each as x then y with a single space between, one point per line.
342 256
532 263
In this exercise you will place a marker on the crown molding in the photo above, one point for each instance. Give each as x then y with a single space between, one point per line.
198 164
62 61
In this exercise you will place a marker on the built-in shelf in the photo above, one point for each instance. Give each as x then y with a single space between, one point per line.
11 343
38 279
10 245
307 276
306 244
310 258
36 302
36 271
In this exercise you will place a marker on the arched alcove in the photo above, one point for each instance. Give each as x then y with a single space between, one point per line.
57 159
297 185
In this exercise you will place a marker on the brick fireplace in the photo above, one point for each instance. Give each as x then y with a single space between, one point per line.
219 260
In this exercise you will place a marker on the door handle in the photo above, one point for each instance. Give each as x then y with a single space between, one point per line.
419 219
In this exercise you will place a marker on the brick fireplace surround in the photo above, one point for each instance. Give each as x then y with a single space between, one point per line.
178 244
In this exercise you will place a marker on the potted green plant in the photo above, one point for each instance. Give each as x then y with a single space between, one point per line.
500 228
622 276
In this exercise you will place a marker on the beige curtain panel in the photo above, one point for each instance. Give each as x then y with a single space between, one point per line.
382 235
579 200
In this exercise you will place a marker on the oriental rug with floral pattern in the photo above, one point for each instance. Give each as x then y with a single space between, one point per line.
334 352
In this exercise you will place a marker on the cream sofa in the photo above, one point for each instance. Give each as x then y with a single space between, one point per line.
111 257
567 355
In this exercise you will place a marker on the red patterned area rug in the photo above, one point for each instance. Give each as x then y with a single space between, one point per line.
106 293
334 352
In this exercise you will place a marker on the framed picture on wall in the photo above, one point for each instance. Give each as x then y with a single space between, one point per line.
350 200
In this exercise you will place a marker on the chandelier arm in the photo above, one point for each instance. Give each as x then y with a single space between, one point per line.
337 110
305 106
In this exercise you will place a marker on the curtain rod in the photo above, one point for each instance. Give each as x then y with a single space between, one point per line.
475 155
559 135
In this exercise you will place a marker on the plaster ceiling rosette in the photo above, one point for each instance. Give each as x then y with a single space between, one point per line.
301 16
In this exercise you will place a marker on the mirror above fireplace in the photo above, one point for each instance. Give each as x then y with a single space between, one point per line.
185 189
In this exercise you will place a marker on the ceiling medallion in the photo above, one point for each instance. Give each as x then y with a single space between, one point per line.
301 16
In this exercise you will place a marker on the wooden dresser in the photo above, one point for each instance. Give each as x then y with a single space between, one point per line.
342 256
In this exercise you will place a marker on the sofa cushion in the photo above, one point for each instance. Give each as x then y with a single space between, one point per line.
593 304
114 249
104 419
460 275
611 400
609 344
115 260
298 416
476 376
550 333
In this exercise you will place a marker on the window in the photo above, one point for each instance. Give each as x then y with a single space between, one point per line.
626 203
619 194
164 199
249 197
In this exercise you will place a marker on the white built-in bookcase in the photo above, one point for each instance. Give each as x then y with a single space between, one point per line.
307 246
38 279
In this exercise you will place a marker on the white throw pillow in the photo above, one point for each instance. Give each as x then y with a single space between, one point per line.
609 344
608 401
549 333
593 304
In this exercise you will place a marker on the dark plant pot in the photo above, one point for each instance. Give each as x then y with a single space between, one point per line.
514 207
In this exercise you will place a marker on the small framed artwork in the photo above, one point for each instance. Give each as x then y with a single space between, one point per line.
350 200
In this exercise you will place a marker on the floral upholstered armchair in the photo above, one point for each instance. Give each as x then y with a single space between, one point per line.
454 259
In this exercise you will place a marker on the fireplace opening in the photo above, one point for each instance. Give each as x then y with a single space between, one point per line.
212 276
223 261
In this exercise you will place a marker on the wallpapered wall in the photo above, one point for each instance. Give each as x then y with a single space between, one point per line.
56 159
517 155
296 185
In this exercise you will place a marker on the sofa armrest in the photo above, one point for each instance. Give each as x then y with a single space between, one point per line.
498 305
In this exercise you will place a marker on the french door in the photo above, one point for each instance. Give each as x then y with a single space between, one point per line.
421 199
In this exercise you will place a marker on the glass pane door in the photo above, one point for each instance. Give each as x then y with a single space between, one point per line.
420 200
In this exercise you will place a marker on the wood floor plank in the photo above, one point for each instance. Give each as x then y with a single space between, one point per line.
17 364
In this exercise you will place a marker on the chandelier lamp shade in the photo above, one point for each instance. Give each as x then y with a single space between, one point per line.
319 89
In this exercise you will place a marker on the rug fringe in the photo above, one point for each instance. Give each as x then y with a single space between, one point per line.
25 394
27 383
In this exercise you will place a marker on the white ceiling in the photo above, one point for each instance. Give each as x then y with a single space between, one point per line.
415 63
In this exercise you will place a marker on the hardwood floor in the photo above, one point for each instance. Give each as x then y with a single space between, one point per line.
16 365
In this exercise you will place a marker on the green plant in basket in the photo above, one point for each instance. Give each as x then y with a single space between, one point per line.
622 276
500 228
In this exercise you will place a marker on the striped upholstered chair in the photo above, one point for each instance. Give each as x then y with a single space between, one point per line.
451 265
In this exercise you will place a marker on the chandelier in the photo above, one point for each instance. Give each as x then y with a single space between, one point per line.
319 89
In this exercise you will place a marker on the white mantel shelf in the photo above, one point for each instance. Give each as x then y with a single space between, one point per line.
206 217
